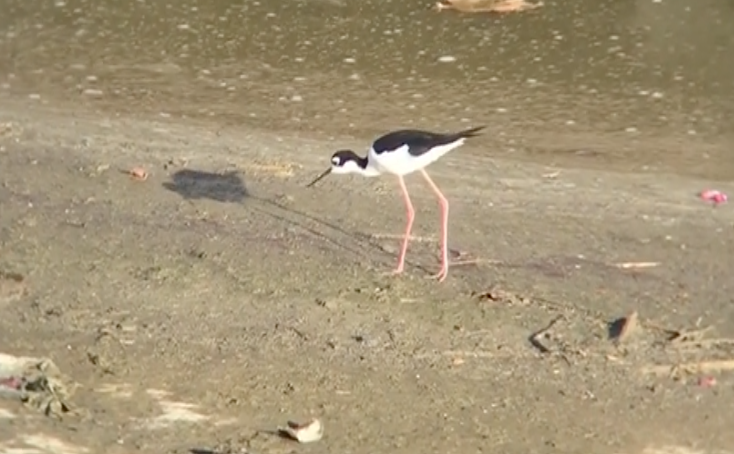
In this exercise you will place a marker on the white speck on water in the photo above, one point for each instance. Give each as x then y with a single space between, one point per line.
614 37
657 95
501 110
447 59
92 78
164 114
92 92
34 96
296 98
299 79
350 60
643 93
183 26
532 81
60 3
692 132
299 59
354 76
417 95
570 122
270 15
630 129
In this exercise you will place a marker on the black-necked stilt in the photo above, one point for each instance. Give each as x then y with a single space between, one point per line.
400 153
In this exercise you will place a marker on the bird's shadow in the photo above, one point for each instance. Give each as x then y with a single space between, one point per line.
228 187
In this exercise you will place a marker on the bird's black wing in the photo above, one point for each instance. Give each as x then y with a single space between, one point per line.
418 141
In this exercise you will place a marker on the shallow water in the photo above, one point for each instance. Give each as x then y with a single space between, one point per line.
644 84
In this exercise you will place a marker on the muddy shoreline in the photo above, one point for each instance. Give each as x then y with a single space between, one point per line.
257 301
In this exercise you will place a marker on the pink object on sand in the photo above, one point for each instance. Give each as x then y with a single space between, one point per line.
713 196
11 382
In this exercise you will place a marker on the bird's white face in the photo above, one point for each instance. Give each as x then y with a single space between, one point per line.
341 164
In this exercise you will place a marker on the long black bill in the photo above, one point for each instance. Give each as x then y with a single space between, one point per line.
319 178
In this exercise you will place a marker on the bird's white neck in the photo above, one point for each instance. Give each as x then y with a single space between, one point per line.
369 170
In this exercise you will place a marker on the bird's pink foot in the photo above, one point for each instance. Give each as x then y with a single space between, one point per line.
441 275
392 273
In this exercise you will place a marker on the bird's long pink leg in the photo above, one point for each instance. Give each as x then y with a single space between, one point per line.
410 213
441 275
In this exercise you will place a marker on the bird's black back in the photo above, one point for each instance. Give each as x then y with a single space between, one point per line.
418 141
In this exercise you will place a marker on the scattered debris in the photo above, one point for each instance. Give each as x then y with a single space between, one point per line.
304 433
635 265
682 338
535 337
682 341
138 173
622 328
36 382
713 196
487 6
497 295
678 371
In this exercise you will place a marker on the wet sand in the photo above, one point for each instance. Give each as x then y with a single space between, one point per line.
223 282
633 85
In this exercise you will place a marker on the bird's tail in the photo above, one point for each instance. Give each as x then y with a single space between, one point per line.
469 132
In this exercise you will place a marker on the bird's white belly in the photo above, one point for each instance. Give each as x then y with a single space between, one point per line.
400 162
